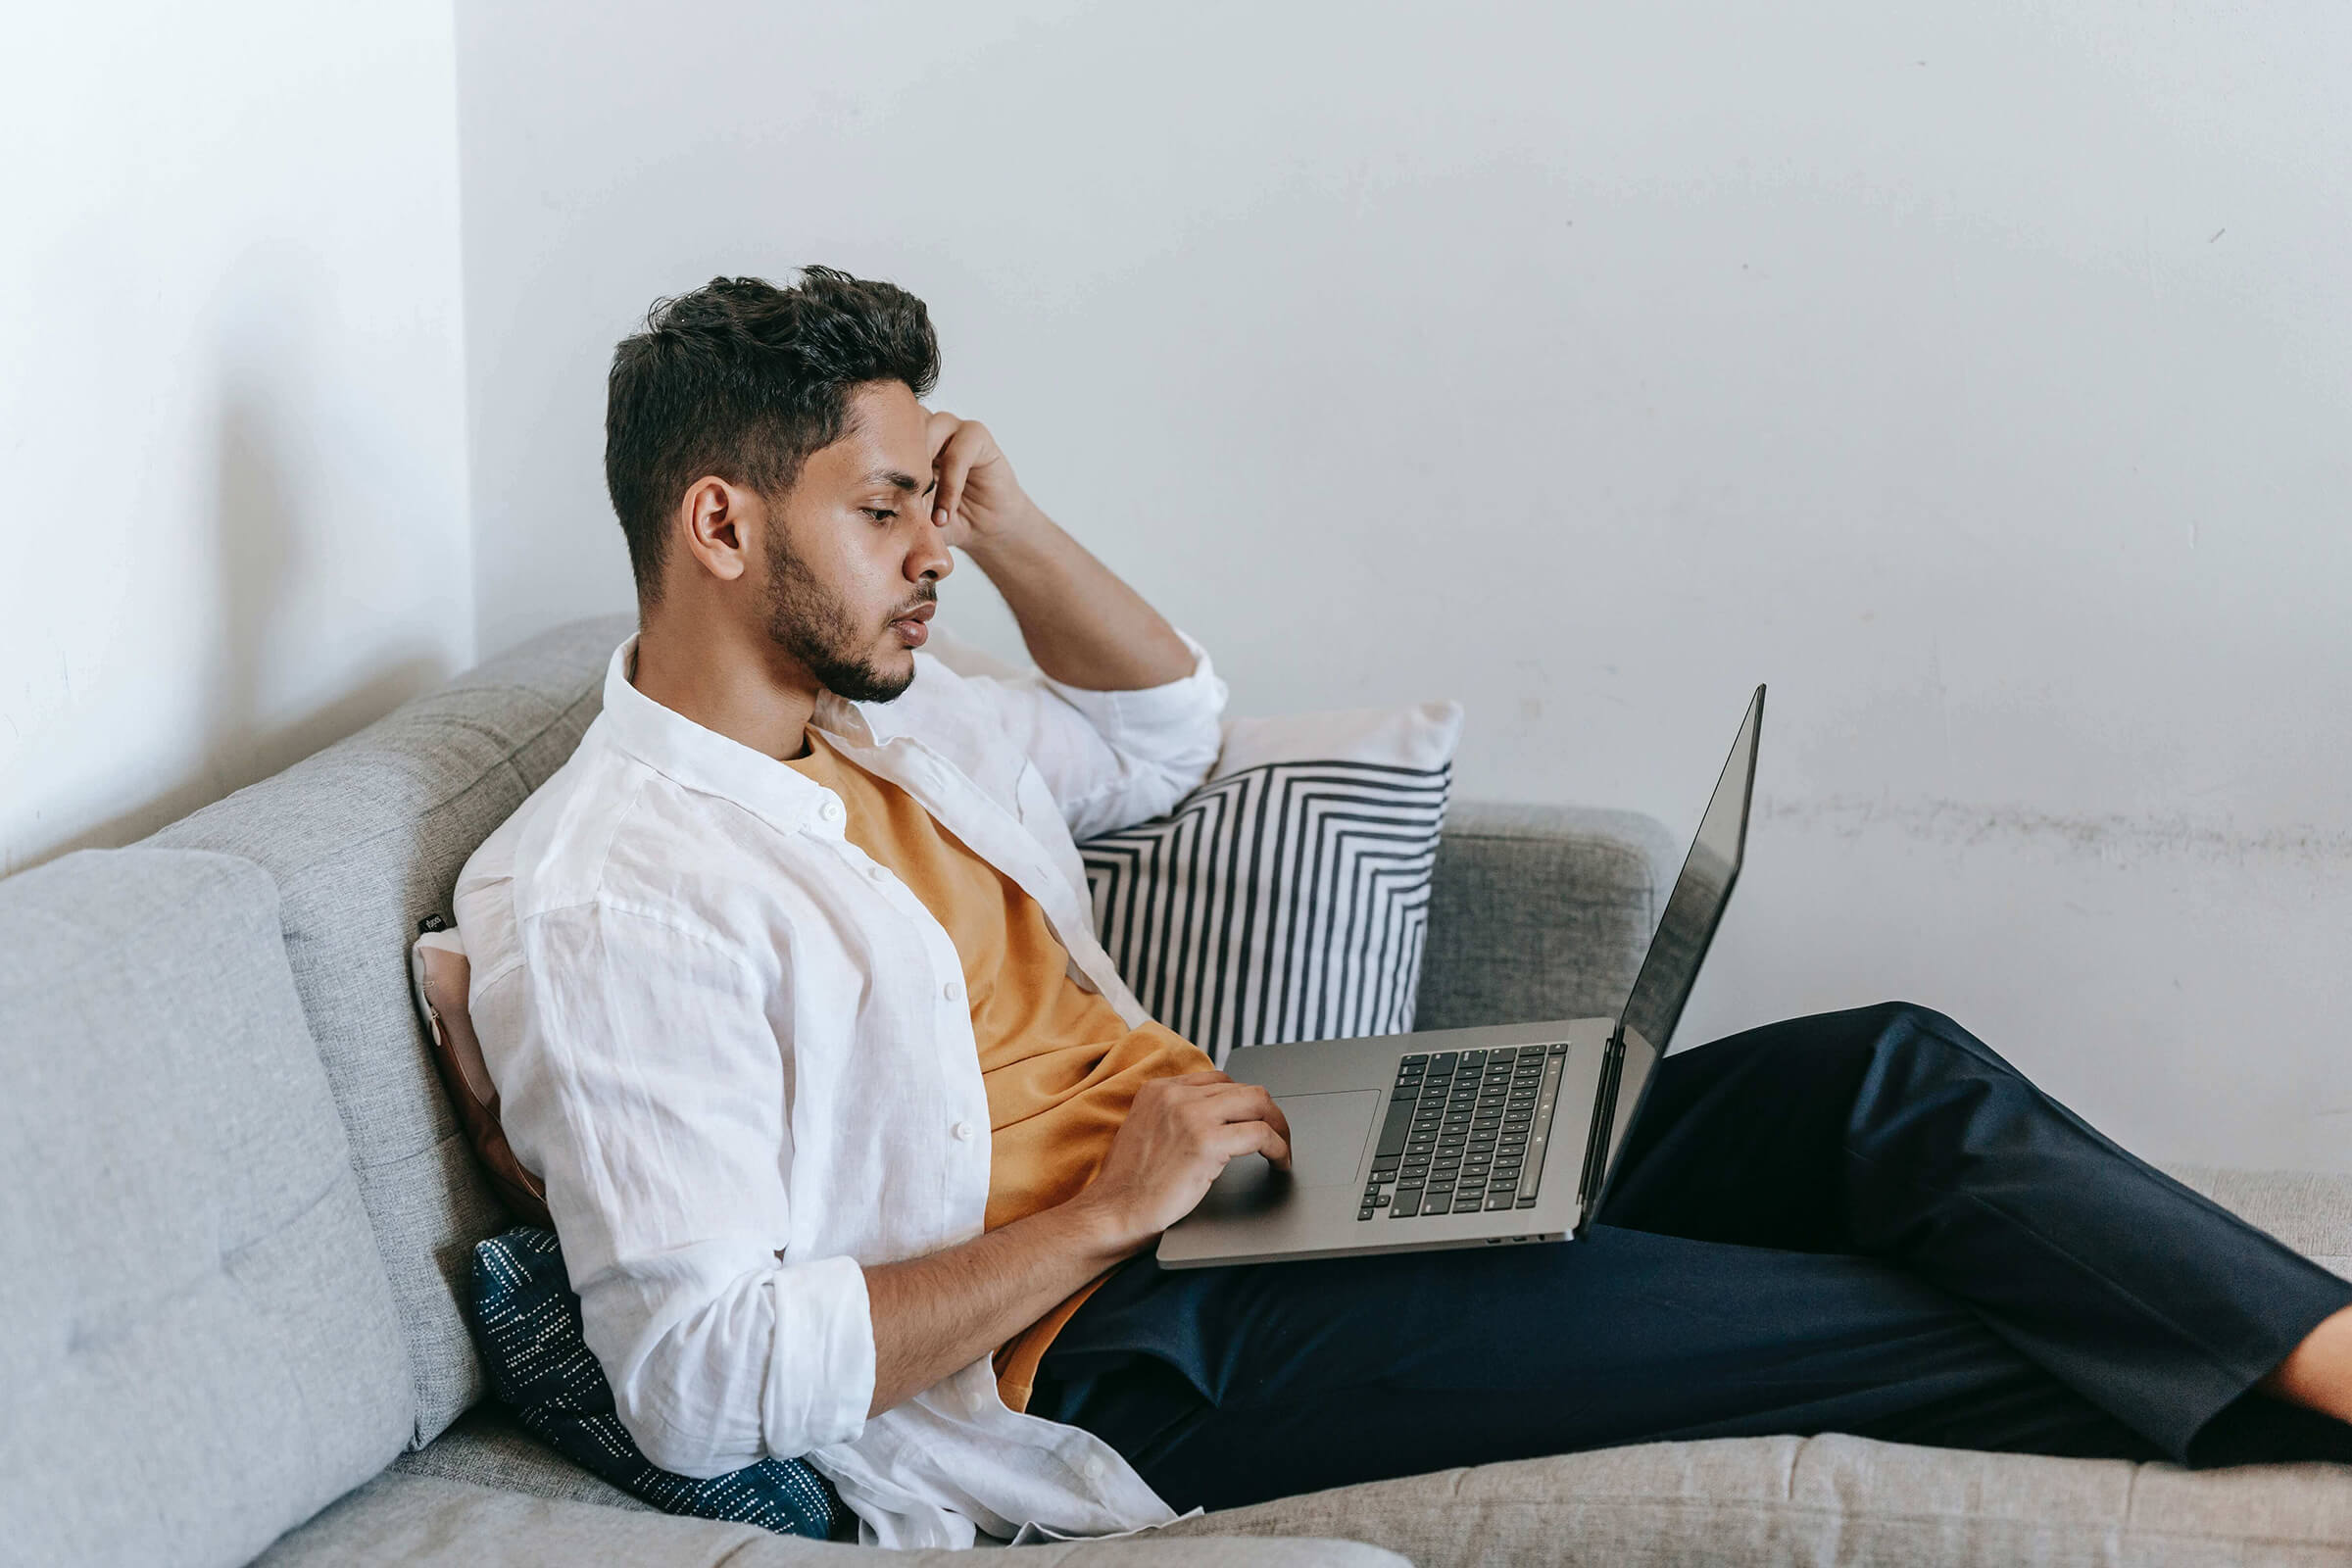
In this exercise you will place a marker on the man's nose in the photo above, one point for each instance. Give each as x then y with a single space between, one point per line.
929 557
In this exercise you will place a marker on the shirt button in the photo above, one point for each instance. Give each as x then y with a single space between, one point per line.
961 1132
1093 1469
830 810
879 873
953 990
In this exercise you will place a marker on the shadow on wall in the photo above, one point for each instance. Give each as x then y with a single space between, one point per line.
260 539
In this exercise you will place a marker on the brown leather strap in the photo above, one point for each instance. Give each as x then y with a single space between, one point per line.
443 978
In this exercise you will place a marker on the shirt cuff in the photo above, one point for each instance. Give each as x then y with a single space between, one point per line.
821 1374
1125 719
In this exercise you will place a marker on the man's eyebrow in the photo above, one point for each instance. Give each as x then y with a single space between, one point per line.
897 480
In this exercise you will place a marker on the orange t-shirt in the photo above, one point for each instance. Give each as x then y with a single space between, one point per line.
1059 1065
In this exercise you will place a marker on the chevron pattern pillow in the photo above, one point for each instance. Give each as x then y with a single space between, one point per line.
1288 897
527 1323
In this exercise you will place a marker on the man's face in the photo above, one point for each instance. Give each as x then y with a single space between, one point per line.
853 557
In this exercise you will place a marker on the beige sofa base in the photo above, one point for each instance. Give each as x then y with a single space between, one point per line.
1750 1501
1827 1500
404 1520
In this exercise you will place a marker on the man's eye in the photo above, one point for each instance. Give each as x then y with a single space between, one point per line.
879 514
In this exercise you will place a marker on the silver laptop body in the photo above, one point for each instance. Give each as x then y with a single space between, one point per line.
1531 1116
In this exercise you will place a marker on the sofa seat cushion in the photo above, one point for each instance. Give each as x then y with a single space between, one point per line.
1833 1499
415 1521
197 1338
1838 1499
489 1448
1782 1500
1762 1499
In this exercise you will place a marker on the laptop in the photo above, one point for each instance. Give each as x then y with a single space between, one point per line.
1469 1137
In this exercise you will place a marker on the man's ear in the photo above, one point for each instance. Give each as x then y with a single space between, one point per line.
717 523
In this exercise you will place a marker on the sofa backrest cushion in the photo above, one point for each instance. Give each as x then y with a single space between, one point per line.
1539 911
198 1343
365 839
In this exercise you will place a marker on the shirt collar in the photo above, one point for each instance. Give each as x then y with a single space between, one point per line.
677 747
837 716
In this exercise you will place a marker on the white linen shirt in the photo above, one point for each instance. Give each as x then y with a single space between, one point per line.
739 1054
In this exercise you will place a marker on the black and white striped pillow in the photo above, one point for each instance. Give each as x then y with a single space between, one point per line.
1288 897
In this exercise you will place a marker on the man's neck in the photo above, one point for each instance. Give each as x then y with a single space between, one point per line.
751 692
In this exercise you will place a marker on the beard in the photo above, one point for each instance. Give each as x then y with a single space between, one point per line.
808 621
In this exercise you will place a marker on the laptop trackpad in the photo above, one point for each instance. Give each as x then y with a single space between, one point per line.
1327 1144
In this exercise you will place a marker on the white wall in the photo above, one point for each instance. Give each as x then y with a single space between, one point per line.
233 460
1975 375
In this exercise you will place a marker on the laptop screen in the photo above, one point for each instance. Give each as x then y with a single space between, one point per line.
1692 912
1696 907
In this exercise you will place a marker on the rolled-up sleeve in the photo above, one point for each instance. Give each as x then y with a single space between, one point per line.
1114 759
649 1094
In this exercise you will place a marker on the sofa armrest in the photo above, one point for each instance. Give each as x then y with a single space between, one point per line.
1539 911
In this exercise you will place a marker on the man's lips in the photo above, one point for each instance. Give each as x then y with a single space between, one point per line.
913 627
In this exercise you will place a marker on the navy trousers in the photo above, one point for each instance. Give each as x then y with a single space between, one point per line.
1862 1222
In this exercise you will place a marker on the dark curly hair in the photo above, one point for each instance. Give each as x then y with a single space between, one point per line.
743 380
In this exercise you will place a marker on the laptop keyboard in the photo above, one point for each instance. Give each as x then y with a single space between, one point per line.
1467 1131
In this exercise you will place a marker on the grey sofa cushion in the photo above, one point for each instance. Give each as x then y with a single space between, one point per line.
1772 1500
414 1519
1538 912
1759 1500
197 1338
488 1447
363 839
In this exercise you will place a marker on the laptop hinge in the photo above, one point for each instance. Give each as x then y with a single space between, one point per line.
1604 1121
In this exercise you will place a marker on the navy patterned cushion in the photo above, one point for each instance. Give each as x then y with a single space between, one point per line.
527 1323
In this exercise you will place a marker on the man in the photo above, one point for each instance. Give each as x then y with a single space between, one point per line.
856 1141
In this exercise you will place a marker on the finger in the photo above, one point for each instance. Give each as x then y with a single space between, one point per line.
952 466
1205 1075
1235 1139
1276 1119
939 428
1253 1100
1243 1106
936 427
1232 1101
1271 1114
1273 1142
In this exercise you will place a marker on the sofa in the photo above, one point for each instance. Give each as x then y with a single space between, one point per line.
240 1217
